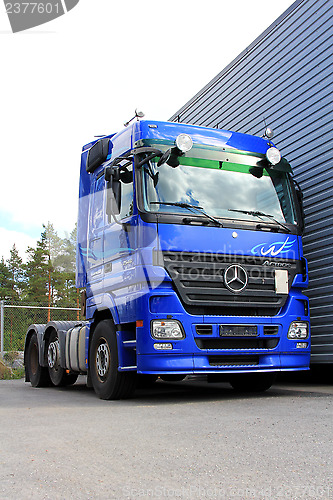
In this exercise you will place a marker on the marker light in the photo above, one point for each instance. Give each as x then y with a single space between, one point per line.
273 155
167 329
298 330
184 143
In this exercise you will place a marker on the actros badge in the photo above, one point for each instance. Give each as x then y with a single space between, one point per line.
24 15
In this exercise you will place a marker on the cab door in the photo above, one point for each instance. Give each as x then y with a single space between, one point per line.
97 221
120 243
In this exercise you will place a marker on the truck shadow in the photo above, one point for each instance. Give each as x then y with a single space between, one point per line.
161 393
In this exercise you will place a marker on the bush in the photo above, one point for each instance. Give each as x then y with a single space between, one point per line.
7 373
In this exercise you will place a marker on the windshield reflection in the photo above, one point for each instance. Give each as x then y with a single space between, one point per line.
218 190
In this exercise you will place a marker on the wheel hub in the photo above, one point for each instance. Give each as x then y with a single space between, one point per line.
53 354
102 359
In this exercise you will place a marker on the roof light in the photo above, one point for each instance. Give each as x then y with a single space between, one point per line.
273 155
184 143
269 133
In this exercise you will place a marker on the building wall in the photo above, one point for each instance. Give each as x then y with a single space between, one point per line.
285 77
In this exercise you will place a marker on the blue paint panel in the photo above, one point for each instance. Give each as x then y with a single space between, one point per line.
221 241
218 138
286 76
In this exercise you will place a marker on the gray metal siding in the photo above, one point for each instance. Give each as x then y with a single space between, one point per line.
286 77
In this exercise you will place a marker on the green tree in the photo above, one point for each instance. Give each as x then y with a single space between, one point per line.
17 275
69 251
69 293
37 272
61 253
54 245
5 281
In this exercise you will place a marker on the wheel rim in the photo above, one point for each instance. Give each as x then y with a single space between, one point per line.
53 354
34 359
102 360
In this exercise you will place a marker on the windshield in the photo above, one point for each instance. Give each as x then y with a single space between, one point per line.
222 189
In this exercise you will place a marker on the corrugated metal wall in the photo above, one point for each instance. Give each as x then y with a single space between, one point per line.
286 77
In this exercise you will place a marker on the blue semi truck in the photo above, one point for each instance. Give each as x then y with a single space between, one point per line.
190 254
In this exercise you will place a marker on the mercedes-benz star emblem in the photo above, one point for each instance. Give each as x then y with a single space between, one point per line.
235 278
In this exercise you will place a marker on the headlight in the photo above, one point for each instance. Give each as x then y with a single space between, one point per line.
273 155
184 143
167 329
298 330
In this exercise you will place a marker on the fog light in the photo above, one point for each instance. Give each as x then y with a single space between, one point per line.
273 155
184 143
163 347
302 345
167 329
298 330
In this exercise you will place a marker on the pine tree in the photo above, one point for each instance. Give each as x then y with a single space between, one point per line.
5 281
16 270
66 263
54 245
37 273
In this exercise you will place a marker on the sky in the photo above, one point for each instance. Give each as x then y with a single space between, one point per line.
84 74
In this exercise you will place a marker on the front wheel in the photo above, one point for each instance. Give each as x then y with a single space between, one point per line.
252 382
107 381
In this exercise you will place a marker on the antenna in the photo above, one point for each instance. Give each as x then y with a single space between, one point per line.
138 114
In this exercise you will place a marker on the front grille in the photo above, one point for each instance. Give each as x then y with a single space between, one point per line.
234 343
199 280
233 360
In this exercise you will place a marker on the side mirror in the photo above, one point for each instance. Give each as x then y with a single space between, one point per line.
299 195
170 157
300 208
97 154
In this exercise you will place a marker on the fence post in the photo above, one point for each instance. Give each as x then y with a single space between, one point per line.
2 323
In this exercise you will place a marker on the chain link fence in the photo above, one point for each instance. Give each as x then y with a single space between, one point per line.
15 320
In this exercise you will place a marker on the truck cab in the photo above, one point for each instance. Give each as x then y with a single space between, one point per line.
190 253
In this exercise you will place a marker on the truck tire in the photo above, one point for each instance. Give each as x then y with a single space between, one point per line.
38 375
107 381
56 372
252 382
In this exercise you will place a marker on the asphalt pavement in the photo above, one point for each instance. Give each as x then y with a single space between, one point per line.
176 440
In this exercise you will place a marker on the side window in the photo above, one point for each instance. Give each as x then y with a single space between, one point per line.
126 204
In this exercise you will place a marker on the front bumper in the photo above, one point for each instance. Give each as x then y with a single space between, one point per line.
194 355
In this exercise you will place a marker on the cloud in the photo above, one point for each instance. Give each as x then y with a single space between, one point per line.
21 240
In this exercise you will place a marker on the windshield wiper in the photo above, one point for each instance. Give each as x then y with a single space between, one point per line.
192 208
256 213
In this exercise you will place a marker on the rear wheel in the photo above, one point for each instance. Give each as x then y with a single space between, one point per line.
107 381
252 382
57 374
38 375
